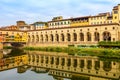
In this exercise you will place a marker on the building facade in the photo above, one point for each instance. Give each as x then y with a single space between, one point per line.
85 30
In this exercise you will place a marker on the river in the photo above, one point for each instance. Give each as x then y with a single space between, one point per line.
17 64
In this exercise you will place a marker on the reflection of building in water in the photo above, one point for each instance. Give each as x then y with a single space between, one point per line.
76 64
64 66
1 54
6 51
12 62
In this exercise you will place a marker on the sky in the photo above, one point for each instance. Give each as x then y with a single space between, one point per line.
32 11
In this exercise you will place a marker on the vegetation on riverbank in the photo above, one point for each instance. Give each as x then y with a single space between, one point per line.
80 51
109 44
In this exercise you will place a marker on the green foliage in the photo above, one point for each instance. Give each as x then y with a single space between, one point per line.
80 51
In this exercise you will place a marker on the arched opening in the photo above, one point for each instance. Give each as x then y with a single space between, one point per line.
106 36
46 38
42 59
69 62
57 37
75 63
97 36
89 64
74 36
29 38
51 37
82 63
52 60
107 65
46 60
41 38
37 58
88 36
33 58
97 65
81 37
57 61
68 37
62 37
33 38
37 38
63 62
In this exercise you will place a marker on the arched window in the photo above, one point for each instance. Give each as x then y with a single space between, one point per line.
68 37
88 36
51 37
29 38
81 37
46 38
106 36
57 37
62 37
74 36
41 38
33 38
37 38
97 36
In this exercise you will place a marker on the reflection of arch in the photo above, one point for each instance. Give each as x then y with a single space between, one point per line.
97 65
97 36
37 38
75 63
69 62
63 62
41 38
51 37
81 37
57 61
68 37
46 38
57 37
82 63
106 36
89 64
74 37
52 60
88 36
107 66
62 37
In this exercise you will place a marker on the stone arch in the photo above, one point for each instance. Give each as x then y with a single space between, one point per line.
37 38
46 38
97 36
74 37
51 37
68 37
57 37
88 36
29 38
97 65
81 36
107 66
62 37
41 38
106 36
33 38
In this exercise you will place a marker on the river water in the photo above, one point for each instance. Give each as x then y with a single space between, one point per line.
35 65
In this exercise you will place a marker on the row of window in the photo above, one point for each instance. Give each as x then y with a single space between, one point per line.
105 22
59 23
96 18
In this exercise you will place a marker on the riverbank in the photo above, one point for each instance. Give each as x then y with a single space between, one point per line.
101 52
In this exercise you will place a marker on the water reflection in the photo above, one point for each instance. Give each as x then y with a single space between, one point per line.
61 66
